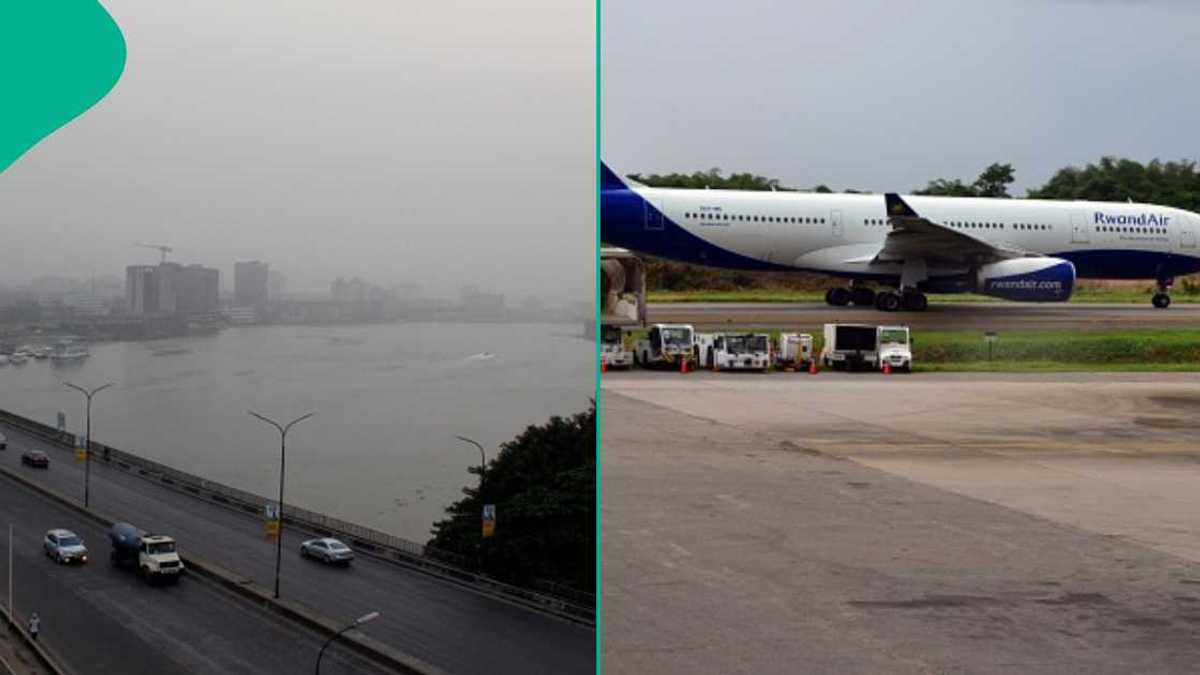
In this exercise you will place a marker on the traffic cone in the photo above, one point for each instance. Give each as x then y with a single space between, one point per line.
887 368
812 366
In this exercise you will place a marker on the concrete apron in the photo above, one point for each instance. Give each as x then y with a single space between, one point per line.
1112 454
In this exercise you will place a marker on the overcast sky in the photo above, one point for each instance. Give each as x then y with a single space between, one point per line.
888 95
444 143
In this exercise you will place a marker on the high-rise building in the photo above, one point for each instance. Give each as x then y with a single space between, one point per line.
170 287
349 292
143 289
276 285
250 280
197 288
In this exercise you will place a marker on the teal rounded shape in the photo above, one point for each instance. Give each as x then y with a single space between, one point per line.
58 58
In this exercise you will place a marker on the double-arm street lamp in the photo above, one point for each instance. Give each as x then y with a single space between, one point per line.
87 451
366 618
283 429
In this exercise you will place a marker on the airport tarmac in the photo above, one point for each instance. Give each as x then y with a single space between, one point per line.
995 316
923 523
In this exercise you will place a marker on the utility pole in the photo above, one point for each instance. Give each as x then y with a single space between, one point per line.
11 614
283 429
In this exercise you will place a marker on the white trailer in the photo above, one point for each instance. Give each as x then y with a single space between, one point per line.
793 350
665 345
734 351
613 352
856 346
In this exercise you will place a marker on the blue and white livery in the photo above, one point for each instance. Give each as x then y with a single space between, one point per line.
1018 249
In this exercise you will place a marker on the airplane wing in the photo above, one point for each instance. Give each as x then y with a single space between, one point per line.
914 236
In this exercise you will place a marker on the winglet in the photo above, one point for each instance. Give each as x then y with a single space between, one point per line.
897 207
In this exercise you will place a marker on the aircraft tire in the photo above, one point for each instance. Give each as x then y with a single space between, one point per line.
1161 300
915 302
887 301
838 297
862 296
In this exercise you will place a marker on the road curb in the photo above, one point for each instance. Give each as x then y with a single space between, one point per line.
367 647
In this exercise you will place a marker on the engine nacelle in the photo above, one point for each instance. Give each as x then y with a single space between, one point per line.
1027 279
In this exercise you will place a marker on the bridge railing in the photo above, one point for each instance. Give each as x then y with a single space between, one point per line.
544 594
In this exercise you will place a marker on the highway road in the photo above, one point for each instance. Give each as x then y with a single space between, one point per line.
447 625
97 619
996 316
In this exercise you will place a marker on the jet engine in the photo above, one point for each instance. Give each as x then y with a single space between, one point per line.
1027 279
622 287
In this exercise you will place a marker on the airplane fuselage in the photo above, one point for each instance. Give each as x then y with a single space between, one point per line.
839 234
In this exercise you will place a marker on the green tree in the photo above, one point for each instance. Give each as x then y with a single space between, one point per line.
1111 179
711 179
543 484
993 182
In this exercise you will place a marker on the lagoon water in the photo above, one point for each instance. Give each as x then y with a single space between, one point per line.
388 399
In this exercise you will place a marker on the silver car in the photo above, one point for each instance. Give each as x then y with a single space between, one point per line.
64 546
327 550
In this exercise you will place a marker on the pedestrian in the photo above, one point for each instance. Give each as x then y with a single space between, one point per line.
35 626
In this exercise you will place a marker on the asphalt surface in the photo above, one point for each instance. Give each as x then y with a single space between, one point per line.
902 524
436 621
995 316
98 619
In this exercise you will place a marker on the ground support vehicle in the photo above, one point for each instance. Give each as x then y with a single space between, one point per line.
665 345
734 351
613 352
793 351
864 346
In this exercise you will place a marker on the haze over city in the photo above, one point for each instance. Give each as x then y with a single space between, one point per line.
330 142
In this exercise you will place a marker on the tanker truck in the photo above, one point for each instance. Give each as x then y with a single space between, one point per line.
152 556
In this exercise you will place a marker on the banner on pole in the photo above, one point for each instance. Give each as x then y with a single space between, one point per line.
489 520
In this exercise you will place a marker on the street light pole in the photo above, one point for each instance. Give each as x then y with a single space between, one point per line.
482 463
366 618
482 500
283 429
87 451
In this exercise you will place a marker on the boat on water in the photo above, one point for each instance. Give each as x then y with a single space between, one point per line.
69 351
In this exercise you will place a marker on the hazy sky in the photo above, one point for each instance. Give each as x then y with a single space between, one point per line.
888 95
446 143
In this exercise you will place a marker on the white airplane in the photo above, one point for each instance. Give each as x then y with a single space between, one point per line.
1017 249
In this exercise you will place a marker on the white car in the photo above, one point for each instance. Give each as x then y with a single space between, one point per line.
64 546
328 550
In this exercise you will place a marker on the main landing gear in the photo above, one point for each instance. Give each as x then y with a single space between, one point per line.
1162 298
885 301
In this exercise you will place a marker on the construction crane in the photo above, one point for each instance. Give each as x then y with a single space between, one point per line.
163 249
